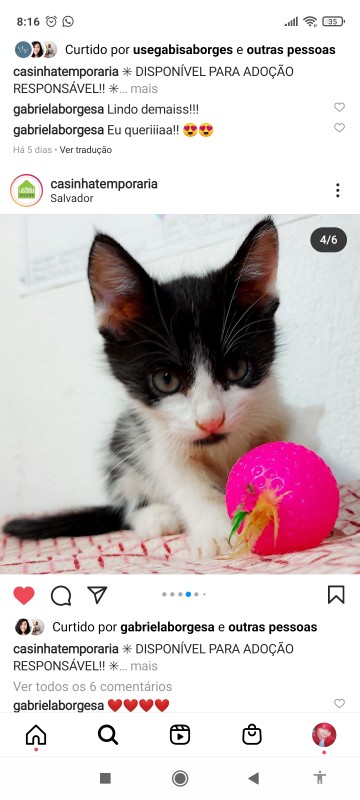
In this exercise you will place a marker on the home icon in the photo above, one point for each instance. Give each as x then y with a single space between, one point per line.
36 736
26 190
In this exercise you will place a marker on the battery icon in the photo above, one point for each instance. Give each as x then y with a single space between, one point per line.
333 22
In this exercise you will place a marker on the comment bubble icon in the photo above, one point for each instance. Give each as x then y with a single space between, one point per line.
61 596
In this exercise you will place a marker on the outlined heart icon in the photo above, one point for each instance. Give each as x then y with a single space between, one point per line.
161 704
130 704
114 704
24 593
339 127
339 702
339 106
146 704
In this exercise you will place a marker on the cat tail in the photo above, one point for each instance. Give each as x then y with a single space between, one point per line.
82 522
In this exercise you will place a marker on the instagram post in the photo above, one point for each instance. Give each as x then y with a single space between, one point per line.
176 389
179 425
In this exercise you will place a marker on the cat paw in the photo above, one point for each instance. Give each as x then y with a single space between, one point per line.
215 547
155 520
211 539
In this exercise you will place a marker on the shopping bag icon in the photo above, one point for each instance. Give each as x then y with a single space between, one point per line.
252 735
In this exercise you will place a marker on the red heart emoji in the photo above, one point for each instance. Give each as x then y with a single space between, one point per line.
130 704
161 704
23 594
146 704
114 704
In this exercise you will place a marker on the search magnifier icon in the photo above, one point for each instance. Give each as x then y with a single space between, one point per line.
107 734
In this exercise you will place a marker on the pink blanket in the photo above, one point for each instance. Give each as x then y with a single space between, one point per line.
122 552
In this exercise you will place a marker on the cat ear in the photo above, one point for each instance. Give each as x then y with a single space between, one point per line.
118 284
254 266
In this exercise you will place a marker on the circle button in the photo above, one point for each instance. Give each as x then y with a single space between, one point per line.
180 778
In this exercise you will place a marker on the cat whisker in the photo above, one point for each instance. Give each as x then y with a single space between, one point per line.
236 338
170 334
165 435
140 436
239 276
162 356
169 345
247 310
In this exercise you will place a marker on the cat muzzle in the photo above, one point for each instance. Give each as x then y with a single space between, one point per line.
211 425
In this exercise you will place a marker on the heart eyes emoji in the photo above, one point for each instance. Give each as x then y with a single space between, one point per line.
205 129
190 129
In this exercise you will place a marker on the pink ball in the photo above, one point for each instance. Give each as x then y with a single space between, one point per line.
307 514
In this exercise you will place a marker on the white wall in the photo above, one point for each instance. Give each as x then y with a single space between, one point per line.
57 402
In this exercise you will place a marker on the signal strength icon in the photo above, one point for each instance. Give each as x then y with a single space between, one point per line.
311 21
294 21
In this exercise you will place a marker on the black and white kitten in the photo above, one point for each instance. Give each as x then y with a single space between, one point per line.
195 356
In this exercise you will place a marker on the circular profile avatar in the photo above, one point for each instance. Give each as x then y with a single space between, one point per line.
37 50
50 50
324 734
37 627
26 190
23 627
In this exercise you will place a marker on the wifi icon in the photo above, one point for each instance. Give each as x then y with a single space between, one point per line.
311 21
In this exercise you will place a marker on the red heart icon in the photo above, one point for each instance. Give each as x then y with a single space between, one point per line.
146 704
161 704
130 704
23 594
114 704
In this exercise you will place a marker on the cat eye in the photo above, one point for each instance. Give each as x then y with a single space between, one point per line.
237 371
165 382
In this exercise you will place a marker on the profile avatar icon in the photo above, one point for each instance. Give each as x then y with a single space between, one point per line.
23 627
37 627
324 734
23 49
37 50
50 49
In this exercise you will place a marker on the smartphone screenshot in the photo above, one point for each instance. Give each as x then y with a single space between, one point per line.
180 435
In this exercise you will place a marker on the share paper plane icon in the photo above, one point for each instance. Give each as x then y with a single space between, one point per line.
98 592
255 778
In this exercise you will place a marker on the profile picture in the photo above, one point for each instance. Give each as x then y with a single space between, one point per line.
37 627
50 49
37 49
23 627
324 734
23 49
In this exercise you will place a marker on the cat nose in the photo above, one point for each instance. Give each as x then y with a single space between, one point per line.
211 425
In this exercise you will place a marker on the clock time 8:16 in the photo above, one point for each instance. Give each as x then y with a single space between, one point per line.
28 21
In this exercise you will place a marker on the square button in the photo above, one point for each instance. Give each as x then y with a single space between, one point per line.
105 777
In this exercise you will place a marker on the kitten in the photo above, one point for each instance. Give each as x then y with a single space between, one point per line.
195 356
